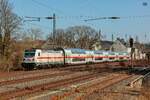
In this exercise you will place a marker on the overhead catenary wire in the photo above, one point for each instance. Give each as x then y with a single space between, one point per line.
86 4
86 18
80 17
53 10
38 25
117 17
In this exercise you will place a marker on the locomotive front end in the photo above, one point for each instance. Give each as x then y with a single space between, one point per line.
29 59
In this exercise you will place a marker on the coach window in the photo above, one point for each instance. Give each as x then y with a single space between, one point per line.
39 54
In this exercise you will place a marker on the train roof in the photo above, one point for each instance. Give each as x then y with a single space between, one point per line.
122 52
73 49
30 50
99 51
76 50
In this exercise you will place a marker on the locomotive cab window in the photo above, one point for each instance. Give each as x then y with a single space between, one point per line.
39 54
29 54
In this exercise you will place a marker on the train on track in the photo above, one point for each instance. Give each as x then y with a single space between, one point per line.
38 58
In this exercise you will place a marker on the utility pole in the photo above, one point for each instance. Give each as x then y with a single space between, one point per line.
54 28
99 33
126 37
49 17
132 50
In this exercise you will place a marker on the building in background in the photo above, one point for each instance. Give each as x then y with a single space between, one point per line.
120 45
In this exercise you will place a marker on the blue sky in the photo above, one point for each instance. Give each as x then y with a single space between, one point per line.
68 13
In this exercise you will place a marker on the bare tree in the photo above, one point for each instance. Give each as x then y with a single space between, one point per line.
20 35
0 44
83 36
35 33
9 23
59 41
76 37
60 37
31 34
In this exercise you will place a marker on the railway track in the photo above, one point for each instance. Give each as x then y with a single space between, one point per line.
21 77
37 88
40 77
14 75
114 84
33 77
99 76
29 82
82 90
87 88
36 75
23 74
102 85
47 73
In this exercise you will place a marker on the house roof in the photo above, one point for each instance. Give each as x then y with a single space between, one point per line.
122 41
106 44
147 48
